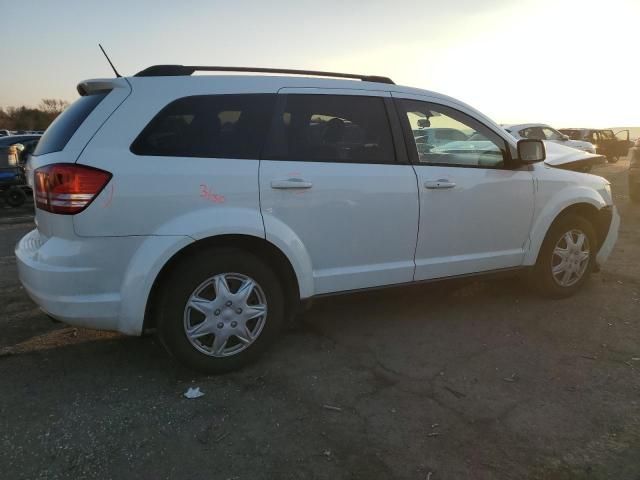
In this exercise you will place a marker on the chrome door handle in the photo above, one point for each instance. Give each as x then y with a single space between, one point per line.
289 183
441 183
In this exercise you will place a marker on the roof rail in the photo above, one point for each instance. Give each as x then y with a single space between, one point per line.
179 70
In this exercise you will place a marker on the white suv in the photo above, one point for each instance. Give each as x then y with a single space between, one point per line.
209 207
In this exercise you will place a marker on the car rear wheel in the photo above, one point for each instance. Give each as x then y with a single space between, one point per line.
566 258
15 197
220 309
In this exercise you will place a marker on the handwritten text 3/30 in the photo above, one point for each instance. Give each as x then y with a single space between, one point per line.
205 192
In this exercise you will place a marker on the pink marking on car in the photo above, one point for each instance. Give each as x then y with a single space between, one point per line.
208 194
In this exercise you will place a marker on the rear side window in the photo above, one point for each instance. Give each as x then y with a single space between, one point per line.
331 128
214 126
65 125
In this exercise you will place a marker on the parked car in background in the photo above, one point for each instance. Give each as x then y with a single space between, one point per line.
4 133
634 172
14 151
436 136
540 131
612 145
209 207
28 145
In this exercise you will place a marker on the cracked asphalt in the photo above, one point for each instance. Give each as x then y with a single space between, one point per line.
465 380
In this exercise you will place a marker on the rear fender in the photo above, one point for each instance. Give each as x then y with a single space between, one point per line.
244 221
158 249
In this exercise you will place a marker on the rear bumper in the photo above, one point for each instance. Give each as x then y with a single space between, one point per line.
610 239
76 281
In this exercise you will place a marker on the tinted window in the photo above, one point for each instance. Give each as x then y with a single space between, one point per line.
215 126
66 124
332 128
467 142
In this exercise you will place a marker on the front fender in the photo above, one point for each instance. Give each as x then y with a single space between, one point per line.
553 207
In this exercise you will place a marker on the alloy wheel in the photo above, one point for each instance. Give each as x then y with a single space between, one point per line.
570 258
225 314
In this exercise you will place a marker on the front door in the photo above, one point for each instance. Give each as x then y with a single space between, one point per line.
331 179
476 207
623 143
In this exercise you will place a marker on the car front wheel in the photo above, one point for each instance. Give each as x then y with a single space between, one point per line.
220 310
566 258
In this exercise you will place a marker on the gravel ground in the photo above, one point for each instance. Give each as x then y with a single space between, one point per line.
473 380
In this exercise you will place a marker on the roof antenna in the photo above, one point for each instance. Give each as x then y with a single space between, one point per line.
109 60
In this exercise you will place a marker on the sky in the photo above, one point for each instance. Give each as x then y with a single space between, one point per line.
562 62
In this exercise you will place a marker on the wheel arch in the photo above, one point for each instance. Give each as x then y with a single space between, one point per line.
596 213
264 249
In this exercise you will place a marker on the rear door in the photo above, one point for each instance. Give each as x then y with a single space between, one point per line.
332 177
476 208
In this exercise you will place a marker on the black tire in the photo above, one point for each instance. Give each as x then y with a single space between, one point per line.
185 278
15 197
542 276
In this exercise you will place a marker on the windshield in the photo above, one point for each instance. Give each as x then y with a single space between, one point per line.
552 134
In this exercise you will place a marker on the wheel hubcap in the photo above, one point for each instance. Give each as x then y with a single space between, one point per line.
225 314
570 258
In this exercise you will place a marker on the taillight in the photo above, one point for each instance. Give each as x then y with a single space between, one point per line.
68 188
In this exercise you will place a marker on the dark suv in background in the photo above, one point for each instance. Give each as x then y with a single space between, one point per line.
612 145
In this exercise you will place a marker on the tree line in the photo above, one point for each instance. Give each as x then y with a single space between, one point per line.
29 118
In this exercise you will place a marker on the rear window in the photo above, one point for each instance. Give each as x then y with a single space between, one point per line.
65 125
210 126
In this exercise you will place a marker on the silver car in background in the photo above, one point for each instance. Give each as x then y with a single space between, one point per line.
540 131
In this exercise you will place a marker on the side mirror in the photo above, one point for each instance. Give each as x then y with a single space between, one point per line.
531 151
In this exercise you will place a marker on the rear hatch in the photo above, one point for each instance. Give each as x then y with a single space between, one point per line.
67 136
